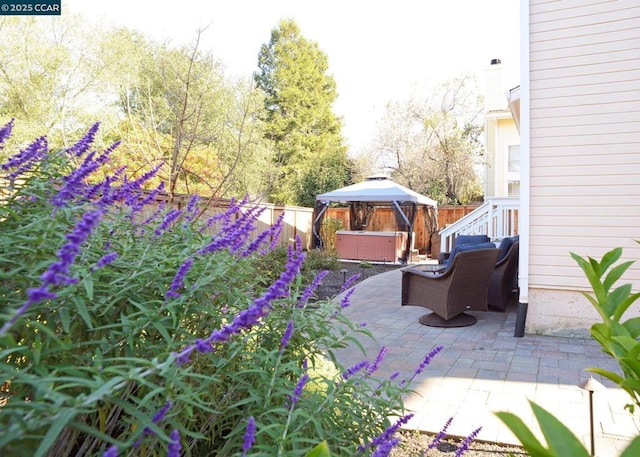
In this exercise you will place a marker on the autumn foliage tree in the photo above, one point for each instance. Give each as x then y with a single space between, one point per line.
309 154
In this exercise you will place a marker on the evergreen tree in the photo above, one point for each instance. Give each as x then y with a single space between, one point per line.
310 156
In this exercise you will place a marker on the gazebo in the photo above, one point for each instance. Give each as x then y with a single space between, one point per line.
363 197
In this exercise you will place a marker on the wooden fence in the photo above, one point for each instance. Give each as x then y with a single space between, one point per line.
298 220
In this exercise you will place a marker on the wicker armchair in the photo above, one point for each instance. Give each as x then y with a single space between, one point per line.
503 287
463 286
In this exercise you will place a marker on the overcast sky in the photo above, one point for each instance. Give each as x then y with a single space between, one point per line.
378 50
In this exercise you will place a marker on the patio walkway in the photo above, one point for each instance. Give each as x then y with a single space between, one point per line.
484 368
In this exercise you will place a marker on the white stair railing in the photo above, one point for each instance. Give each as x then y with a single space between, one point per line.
497 218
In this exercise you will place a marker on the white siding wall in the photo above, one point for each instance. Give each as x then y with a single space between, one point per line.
584 142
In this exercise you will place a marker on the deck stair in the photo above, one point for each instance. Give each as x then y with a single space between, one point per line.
496 217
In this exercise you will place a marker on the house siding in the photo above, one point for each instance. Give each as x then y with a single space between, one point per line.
584 89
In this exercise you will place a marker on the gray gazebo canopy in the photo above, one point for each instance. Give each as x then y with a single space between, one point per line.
362 198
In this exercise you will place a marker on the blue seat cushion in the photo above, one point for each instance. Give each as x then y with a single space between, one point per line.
468 247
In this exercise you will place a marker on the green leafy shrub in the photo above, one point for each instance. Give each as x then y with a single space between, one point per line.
123 336
619 338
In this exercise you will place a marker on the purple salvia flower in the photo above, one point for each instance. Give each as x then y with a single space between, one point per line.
384 449
287 336
387 435
441 434
349 282
346 299
249 436
168 219
273 233
27 157
111 452
105 260
5 132
157 417
174 447
85 142
155 214
137 205
311 288
250 316
297 392
192 209
427 360
57 273
372 368
354 369
162 412
467 441
276 230
74 183
178 279
104 188
34 296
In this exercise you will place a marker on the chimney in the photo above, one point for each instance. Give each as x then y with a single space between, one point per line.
494 98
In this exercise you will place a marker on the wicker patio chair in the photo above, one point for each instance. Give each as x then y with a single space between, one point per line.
503 287
461 287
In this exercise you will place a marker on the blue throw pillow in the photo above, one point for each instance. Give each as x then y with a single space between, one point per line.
468 239
505 245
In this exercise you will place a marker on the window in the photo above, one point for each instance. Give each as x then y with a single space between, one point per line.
513 171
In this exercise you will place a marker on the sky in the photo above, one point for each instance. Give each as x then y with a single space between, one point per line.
378 50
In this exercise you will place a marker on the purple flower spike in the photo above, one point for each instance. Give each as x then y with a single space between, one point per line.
311 288
382 440
297 392
178 280
5 132
249 436
174 447
346 299
169 219
373 368
427 360
287 336
250 316
440 434
467 441
26 158
162 412
105 260
111 452
354 369
349 282
34 295
156 419
85 142
384 450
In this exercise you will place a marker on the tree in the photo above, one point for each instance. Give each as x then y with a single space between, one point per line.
180 109
49 76
165 103
432 144
310 156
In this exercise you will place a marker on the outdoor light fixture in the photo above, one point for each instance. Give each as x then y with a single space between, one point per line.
591 385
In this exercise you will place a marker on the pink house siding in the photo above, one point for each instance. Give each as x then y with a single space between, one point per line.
584 146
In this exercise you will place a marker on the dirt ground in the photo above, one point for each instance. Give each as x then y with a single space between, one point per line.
414 444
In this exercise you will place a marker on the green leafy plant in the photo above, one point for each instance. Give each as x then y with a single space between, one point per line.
129 335
618 338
